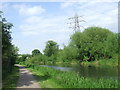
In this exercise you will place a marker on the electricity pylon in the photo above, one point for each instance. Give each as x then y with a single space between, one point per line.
76 22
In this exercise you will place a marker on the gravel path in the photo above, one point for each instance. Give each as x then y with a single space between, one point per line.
26 79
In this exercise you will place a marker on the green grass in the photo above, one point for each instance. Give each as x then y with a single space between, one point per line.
102 62
10 82
44 79
51 78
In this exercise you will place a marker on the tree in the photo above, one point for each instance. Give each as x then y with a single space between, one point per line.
36 52
9 51
94 43
79 40
51 48
97 36
23 57
111 45
68 54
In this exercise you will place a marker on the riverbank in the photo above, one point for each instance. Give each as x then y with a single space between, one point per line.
51 78
113 62
11 81
97 63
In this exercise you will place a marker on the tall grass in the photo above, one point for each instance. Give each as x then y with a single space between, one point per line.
69 79
10 82
104 62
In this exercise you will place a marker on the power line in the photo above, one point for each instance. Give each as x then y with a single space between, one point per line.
76 22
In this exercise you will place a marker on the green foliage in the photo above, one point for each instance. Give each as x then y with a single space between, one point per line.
11 81
67 54
51 48
79 40
103 62
23 58
38 59
9 51
69 79
95 43
36 52
109 62
111 44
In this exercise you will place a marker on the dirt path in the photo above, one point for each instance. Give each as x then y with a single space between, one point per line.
26 79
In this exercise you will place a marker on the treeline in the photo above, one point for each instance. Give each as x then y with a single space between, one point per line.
94 43
9 51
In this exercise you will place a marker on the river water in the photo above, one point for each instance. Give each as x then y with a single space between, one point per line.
89 71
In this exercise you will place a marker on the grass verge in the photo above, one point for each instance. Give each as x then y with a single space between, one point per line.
51 78
44 79
102 62
10 82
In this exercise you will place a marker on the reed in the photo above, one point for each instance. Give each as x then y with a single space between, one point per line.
69 79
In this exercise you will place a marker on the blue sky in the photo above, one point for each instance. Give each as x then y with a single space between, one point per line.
37 22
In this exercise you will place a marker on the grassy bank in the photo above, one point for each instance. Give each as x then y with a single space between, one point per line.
11 81
103 62
51 78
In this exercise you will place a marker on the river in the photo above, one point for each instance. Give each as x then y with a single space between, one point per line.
89 71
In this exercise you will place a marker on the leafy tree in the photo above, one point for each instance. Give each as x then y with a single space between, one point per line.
9 51
94 43
79 40
23 57
51 48
98 36
67 54
36 52
111 45
36 60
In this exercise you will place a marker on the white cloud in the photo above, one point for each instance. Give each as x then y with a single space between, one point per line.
37 25
67 4
98 14
59 0
4 6
43 29
29 10
0 6
77 3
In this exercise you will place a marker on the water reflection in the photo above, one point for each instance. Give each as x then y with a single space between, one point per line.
60 68
98 72
89 71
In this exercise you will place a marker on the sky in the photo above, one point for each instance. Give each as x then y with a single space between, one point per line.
37 22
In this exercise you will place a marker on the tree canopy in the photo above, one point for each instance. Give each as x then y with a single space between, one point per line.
94 43
36 52
51 48
9 51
